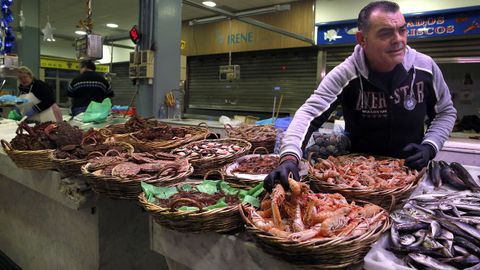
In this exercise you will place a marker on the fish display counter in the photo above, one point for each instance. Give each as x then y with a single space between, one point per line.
71 227
439 226
464 150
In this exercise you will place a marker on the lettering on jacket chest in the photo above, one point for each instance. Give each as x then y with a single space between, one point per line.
401 93
374 103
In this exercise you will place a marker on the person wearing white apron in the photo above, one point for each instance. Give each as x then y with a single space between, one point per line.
41 104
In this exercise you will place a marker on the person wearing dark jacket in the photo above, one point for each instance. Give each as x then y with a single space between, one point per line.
386 90
88 86
41 104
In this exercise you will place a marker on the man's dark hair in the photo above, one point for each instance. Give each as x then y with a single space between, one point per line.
87 64
364 15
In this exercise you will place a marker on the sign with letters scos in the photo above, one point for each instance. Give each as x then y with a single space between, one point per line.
442 23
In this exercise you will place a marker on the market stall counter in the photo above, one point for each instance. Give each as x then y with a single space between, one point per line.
463 150
203 251
53 222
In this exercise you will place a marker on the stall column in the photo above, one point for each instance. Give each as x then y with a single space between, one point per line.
145 26
165 32
29 45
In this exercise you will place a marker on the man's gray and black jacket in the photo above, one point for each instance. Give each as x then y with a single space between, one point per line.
87 87
376 120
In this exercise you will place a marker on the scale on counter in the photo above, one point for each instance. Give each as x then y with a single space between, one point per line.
89 47
229 73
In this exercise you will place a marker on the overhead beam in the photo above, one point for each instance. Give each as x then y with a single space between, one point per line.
250 21
107 41
265 10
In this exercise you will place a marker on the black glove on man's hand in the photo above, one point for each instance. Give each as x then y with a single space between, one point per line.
418 155
280 174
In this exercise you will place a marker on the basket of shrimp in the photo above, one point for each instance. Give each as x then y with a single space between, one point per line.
213 154
314 230
250 170
258 135
165 138
32 147
380 180
199 206
119 176
70 158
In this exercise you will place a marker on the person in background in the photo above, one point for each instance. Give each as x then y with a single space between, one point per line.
88 86
386 90
41 106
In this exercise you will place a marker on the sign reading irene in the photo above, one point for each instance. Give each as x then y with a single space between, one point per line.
441 24
240 37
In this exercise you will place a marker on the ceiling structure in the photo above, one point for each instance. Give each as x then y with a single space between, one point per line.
64 15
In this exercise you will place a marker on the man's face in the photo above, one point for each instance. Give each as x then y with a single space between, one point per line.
385 41
82 70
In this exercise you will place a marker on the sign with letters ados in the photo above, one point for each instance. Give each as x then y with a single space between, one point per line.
443 23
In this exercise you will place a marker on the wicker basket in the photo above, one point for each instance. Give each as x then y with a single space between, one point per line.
29 159
125 188
267 144
251 180
203 165
221 220
386 198
334 253
107 133
73 166
198 133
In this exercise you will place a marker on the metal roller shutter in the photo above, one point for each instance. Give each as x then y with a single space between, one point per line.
293 70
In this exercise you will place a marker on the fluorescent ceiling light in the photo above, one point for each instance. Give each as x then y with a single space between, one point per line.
112 25
209 3
80 32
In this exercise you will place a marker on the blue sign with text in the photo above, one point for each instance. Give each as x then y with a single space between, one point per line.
441 24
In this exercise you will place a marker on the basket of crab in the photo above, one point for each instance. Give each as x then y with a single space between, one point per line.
32 147
119 176
69 159
314 230
380 180
199 206
164 138
250 170
207 155
133 124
